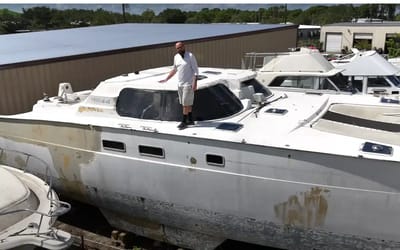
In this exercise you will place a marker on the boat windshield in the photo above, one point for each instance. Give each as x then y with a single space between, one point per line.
341 82
210 103
395 80
258 87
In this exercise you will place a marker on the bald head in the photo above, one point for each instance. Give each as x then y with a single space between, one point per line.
180 48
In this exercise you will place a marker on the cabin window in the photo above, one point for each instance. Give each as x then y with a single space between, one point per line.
215 102
377 82
149 104
114 145
395 80
151 151
341 82
210 103
304 82
215 160
258 87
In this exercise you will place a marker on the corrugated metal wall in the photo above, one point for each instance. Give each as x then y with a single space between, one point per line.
22 86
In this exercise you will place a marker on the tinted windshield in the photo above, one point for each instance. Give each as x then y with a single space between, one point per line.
341 82
210 103
258 87
395 80
303 82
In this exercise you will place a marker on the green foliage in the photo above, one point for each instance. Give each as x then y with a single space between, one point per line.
362 44
393 45
39 18
172 16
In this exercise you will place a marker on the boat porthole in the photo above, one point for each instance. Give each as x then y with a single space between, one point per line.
193 160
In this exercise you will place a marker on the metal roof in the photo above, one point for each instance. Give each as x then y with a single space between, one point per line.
367 24
33 46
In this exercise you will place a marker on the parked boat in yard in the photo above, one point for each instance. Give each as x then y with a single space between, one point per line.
371 73
28 209
286 170
307 70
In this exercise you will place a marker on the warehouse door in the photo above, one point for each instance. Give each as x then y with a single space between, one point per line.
333 42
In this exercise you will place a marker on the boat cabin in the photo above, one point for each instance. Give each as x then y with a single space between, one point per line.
301 70
220 93
370 73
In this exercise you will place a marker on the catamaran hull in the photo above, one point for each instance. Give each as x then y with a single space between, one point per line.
278 197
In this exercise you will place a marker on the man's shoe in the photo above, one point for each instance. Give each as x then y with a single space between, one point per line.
190 123
182 125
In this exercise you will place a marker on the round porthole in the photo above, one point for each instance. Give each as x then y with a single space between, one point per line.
193 160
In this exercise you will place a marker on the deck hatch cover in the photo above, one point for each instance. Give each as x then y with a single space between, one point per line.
388 100
230 126
370 147
276 111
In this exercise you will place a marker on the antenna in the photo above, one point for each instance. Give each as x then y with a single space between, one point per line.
125 7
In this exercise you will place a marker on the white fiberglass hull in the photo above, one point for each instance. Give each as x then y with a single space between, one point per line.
263 195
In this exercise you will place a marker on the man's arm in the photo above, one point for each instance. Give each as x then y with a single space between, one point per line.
171 74
195 68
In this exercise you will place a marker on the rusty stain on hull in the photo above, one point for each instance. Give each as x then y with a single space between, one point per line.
70 147
89 109
306 209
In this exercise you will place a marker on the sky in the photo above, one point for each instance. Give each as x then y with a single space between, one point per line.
134 8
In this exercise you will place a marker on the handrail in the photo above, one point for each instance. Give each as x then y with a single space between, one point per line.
251 60
61 206
254 57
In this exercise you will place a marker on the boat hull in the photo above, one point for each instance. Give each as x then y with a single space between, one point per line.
278 197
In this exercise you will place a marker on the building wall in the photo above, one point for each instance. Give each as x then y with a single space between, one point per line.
24 84
378 34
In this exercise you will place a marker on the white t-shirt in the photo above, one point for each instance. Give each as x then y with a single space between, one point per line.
185 67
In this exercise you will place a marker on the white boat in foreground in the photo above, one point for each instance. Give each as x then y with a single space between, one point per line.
28 209
287 170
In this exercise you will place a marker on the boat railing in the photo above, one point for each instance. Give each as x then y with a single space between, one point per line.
61 207
256 60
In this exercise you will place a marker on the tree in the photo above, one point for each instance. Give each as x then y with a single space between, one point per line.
10 21
393 46
148 16
103 17
172 16
40 17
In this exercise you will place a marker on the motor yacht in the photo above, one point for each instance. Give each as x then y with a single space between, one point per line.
371 73
28 209
301 70
286 170
308 70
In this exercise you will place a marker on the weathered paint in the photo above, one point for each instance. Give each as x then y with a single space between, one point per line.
307 209
89 109
193 202
70 148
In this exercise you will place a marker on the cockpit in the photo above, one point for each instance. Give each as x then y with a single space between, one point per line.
212 102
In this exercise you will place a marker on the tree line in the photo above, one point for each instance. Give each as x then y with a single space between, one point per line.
44 18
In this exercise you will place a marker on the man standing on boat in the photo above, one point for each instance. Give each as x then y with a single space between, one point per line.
185 65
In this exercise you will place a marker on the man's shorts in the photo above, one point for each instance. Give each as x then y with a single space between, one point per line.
186 95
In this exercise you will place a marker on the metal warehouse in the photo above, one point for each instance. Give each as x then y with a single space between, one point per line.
344 36
35 63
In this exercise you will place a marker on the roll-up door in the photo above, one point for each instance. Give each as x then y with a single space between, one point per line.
333 42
